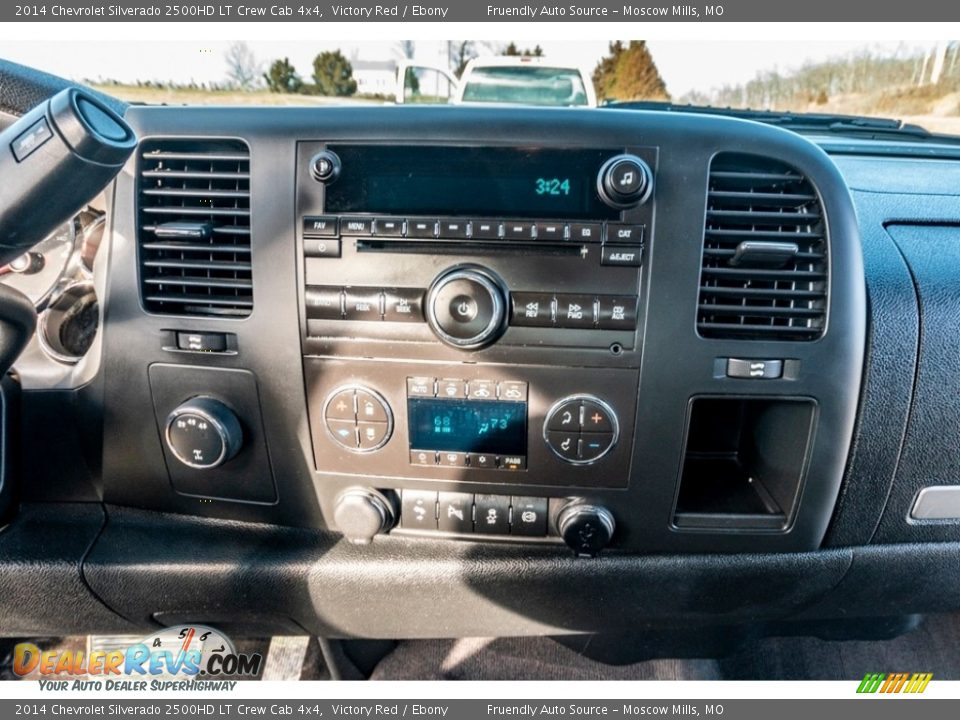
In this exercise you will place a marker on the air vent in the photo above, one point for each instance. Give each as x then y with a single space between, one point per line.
194 228
764 269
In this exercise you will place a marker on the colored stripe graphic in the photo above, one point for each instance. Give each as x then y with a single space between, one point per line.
891 683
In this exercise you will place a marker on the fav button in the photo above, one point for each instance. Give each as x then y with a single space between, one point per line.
320 226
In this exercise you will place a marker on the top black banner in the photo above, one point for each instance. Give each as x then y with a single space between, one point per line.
479 11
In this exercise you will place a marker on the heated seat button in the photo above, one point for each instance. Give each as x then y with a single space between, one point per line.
455 512
618 313
528 516
594 445
565 417
419 510
492 514
575 311
531 309
361 304
596 418
564 444
403 305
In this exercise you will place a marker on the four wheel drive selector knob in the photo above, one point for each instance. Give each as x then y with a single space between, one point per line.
467 307
585 528
625 181
203 433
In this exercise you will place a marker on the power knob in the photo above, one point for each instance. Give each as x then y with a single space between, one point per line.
625 181
586 528
203 433
467 307
325 166
362 513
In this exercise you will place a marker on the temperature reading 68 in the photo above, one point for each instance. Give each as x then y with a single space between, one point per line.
553 186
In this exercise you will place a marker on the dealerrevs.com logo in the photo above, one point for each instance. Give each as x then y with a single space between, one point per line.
178 654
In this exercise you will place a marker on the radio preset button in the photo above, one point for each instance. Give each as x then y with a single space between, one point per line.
361 304
622 255
551 232
356 226
403 305
532 309
586 232
516 230
421 387
486 229
422 228
388 227
575 311
618 313
451 388
454 229
320 226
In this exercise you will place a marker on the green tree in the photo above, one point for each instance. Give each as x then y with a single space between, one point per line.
629 73
513 51
333 74
282 77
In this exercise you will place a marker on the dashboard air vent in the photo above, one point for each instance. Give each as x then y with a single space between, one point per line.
194 228
764 267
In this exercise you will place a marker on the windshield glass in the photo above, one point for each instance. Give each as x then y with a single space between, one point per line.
525 85
916 82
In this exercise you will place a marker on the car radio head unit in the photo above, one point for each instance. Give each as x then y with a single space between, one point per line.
423 180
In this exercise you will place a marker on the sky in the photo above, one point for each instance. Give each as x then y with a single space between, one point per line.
679 61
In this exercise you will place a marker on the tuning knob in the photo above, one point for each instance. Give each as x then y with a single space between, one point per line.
203 433
625 181
362 513
585 528
467 307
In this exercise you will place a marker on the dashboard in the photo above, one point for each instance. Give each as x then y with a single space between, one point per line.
488 355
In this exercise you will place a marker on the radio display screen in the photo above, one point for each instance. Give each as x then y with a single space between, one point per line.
483 181
477 426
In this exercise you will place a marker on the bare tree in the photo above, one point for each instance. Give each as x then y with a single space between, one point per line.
407 49
243 70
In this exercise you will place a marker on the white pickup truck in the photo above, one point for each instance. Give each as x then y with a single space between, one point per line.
497 80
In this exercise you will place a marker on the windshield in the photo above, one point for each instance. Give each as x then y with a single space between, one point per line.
917 82
525 85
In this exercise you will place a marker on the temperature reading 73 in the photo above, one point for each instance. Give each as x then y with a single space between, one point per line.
553 186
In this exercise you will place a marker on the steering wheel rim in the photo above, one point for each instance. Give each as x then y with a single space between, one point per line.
23 88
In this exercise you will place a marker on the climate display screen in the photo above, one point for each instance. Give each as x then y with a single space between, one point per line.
477 426
458 181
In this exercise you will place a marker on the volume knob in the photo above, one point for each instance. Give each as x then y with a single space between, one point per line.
466 307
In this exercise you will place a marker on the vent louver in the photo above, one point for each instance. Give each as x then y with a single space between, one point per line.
764 267
194 228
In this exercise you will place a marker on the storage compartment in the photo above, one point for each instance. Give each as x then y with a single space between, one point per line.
744 463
